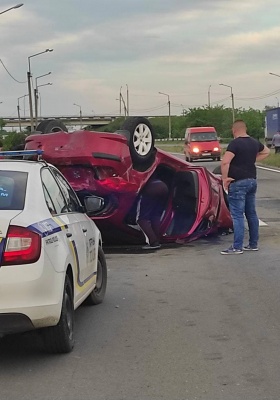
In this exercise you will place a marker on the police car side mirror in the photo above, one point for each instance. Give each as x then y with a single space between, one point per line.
93 204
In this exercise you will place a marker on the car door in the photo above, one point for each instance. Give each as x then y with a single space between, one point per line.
87 237
69 228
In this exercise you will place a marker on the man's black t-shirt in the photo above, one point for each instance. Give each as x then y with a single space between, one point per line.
242 165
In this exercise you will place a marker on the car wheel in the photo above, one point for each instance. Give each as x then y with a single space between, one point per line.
98 293
60 338
217 170
51 125
140 136
41 126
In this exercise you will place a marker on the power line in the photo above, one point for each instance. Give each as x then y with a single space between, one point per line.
10 74
259 97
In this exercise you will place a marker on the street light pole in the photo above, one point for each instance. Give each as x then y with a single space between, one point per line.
29 87
209 103
232 100
127 100
36 100
120 99
81 122
36 96
169 115
18 110
12 8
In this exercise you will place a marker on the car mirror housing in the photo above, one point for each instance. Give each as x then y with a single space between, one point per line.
93 204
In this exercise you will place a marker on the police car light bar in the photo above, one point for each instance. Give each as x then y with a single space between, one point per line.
15 153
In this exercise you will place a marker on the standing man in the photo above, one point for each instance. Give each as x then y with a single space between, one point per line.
276 142
239 179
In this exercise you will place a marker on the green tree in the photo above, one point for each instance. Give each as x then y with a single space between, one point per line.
13 140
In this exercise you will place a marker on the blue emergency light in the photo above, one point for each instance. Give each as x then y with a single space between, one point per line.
19 153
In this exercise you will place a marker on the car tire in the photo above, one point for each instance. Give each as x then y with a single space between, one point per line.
50 126
217 170
60 338
140 137
98 293
41 126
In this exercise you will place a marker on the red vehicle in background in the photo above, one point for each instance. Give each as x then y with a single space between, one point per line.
202 142
116 166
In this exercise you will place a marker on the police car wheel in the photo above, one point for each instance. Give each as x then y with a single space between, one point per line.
98 293
60 338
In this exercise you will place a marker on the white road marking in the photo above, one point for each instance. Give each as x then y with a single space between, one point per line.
261 223
268 169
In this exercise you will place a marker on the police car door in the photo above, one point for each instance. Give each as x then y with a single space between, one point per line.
88 237
69 228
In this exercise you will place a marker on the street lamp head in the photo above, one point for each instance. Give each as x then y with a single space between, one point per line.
11 8
165 94
49 50
271 73
44 84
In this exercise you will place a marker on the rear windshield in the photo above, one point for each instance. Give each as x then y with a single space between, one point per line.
203 137
12 190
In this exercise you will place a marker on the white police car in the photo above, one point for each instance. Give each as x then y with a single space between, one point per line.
51 256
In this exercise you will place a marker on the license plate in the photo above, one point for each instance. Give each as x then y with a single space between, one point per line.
207 154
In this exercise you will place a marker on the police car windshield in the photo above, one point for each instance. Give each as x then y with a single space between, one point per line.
12 190
203 137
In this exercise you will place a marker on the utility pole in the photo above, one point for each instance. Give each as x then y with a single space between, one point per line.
127 100
209 103
29 76
232 100
169 115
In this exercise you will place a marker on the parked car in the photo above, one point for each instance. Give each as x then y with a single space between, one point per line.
50 251
117 166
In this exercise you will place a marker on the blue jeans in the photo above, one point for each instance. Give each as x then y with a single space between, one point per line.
242 200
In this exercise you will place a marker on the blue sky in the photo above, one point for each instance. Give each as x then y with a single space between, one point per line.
184 48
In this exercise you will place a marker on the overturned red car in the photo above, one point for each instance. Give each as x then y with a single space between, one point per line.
116 166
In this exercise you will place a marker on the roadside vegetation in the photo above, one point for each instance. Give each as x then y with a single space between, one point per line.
218 116
273 160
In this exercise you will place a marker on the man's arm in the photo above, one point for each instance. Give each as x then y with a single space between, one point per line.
263 154
226 160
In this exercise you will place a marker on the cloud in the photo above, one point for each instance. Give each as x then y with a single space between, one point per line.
179 47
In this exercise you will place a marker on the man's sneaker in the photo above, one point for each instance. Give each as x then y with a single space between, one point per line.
232 250
151 247
250 248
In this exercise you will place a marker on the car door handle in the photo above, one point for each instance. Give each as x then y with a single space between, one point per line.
68 234
84 230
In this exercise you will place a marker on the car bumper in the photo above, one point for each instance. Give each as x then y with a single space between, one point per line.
205 155
30 297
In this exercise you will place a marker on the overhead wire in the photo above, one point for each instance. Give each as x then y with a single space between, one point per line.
10 73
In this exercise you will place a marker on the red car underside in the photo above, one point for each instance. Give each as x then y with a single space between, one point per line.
100 163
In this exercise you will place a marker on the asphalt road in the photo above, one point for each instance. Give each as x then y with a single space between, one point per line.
183 323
